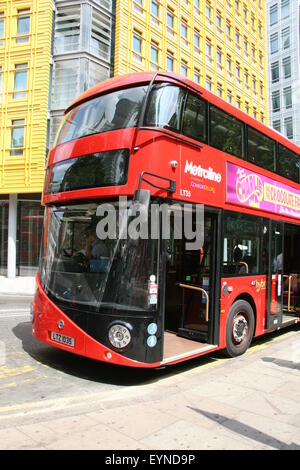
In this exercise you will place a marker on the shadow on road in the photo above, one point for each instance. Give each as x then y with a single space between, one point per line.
282 362
96 371
246 431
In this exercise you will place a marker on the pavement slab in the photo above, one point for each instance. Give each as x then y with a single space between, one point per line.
50 399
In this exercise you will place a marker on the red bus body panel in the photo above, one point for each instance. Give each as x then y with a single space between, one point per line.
153 151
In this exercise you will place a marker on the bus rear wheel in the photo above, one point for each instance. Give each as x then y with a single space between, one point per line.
239 328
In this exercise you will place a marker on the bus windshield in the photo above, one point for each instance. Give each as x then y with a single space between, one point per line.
80 269
116 110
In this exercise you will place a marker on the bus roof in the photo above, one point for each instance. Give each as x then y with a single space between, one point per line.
133 79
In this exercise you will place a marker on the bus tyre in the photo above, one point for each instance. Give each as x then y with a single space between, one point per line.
239 328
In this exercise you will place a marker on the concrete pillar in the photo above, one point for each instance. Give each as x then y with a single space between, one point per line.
12 236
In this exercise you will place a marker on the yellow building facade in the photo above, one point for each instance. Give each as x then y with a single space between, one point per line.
221 44
25 49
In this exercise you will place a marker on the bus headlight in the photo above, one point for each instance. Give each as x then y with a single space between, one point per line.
119 336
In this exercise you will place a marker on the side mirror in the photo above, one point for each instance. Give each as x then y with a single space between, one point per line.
142 196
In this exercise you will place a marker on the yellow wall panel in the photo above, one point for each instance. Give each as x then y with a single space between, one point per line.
25 173
251 25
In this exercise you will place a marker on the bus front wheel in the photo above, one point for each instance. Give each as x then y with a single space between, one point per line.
239 328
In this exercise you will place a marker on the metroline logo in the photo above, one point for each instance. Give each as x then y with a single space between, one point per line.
206 173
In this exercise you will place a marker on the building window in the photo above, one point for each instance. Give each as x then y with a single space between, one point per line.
229 97
208 49
138 5
207 10
184 32
238 102
246 47
170 22
288 127
276 101
246 78
247 107
237 39
154 56
17 137
273 14
219 56
238 71
67 28
277 125
219 20
275 72
285 36
237 5
155 12
254 85
228 30
259 29
285 9
65 72
137 46
228 64
208 83
274 43
261 90
1 28
183 68
219 90
253 51
196 76
287 97
197 41
170 62
101 34
23 26
287 69
197 6
20 81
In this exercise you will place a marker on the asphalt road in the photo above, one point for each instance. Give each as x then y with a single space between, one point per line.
250 402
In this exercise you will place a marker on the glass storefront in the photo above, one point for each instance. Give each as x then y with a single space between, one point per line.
3 236
30 227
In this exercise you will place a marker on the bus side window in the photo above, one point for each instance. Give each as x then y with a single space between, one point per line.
288 164
261 150
226 132
194 118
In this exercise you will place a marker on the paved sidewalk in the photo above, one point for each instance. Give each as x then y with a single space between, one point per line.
22 285
250 402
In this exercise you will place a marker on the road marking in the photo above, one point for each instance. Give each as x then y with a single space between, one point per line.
10 385
7 372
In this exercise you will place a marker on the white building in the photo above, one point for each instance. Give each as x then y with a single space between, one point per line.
283 35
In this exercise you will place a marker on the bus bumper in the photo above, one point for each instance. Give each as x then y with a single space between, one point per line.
48 319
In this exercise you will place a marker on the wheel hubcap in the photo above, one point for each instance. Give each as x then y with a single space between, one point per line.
239 328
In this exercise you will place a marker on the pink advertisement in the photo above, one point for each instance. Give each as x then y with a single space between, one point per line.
254 190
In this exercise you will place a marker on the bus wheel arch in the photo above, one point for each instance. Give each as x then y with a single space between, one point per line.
240 325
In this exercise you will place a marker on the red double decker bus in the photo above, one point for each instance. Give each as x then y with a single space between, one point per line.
161 140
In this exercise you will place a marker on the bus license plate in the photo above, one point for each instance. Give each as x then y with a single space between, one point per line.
63 339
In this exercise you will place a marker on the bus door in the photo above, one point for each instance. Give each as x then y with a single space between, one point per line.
275 284
191 285
291 273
